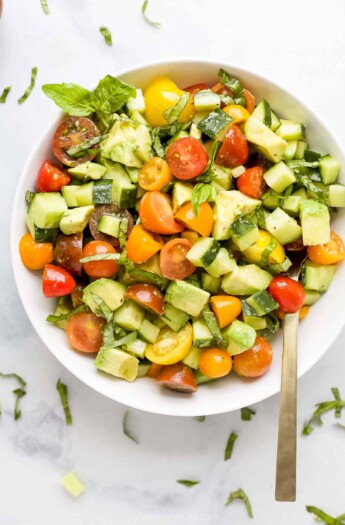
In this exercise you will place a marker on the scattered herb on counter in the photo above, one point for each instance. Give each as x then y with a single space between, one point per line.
45 7
27 93
340 425
19 393
326 518
321 409
63 393
143 10
107 35
247 414
127 432
188 482
230 445
241 495
5 92
200 419
14 376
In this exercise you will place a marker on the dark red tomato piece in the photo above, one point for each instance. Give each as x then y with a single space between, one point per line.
187 158
108 209
252 182
288 293
296 246
173 261
250 100
195 88
148 296
68 251
234 150
56 281
177 377
85 332
71 132
51 178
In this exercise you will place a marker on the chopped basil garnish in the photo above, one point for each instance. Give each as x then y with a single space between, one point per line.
200 419
107 35
335 392
101 257
321 409
103 309
143 10
234 85
241 495
188 482
326 518
247 413
18 392
45 7
4 94
340 425
63 393
172 114
31 86
202 193
57 318
85 145
129 338
126 429
14 376
230 446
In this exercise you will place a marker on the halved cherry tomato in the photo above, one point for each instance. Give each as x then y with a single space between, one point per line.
226 308
177 377
288 293
154 174
156 213
195 88
161 95
237 112
329 253
221 89
154 370
187 158
51 178
141 245
148 296
202 224
256 361
250 100
252 182
35 255
98 269
190 236
234 150
215 363
85 332
302 313
56 281
173 262
71 132
253 254
170 347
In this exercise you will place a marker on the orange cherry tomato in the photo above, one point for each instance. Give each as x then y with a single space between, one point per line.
156 214
195 88
250 100
148 296
234 150
177 377
256 361
141 244
226 308
329 253
154 174
173 261
35 255
202 224
154 370
252 182
98 269
237 112
187 158
215 363
85 332
302 313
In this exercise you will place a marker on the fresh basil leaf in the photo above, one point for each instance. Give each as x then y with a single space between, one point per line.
200 419
84 146
103 309
57 318
110 95
63 393
230 446
107 35
172 114
326 518
340 425
45 7
295 164
323 408
247 413
126 429
143 10
234 85
188 482
5 92
71 98
241 495
19 393
202 193
28 91
108 334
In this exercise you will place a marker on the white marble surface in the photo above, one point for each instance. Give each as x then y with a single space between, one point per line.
302 45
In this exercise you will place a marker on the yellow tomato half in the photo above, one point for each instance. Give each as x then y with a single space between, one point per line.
253 254
170 347
161 95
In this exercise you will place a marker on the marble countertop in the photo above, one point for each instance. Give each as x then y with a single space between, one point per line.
301 45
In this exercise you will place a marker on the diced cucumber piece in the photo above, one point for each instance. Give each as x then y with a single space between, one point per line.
276 122
117 363
129 316
315 221
202 336
210 284
124 192
45 211
181 194
292 204
311 156
195 132
266 141
300 150
138 118
206 100
258 323
240 336
137 348
262 112
289 130
311 297
336 196
229 206
216 124
290 151
222 264
329 169
244 232
198 117
69 193
75 220
109 225
283 227
270 200
87 170
262 303
148 331
84 194
186 297
317 277
133 174
222 177
137 103
102 191
203 252
246 280
111 292
279 177
193 357
173 317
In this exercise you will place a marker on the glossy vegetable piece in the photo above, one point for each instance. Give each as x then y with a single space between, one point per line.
85 332
154 174
256 361
56 281
99 269
154 370
237 112
148 296
173 261
177 377
226 308
156 214
160 95
329 253
288 293
187 158
215 363
250 100
142 244
202 224
170 347
252 182
234 151
68 251
51 178
71 132
35 255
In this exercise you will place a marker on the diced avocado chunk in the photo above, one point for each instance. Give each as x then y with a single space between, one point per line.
336 196
317 277
315 221
181 194
262 303
111 292
222 264
75 220
279 177
148 331
203 252
73 484
128 143
88 170
64 307
186 297
244 232
258 323
240 336
289 130
137 103
137 348
202 336
283 227
267 142
193 357
211 284
45 211
109 225
124 192
117 363
69 193
129 316
311 297
206 100
174 318
329 169
229 206
246 280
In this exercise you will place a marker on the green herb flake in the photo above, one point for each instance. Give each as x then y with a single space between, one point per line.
123 232
45 7
241 495
335 392
200 419
63 393
65 317
127 432
202 193
172 114
14 376
19 393
107 35
247 414
85 145
234 85
188 482
27 93
322 516
103 309
323 408
230 446
5 92
143 10
340 425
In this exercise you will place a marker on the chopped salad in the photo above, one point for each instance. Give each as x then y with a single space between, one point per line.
167 224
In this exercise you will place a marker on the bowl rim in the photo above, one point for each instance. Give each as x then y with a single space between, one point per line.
17 202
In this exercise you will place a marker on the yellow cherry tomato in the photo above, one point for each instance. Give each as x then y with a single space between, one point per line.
238 113
35 255
253 254
170 347
161 95
154 174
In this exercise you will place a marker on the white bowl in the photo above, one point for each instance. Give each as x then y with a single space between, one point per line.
317 331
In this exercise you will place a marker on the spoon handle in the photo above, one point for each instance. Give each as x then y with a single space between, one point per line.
286 452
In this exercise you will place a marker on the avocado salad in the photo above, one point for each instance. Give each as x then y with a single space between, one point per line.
167 224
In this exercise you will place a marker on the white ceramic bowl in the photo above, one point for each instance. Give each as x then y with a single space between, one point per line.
317 332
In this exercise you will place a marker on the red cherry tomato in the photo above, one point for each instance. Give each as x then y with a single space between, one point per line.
51 178
195 88
252 182
156 214
177 377
234 150
85 332
173 261
56 281
288 293
256 361
250 100
187 158
148 296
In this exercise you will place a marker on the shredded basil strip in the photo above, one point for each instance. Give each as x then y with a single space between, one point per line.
323 408
129 338
63 393
230 446
14 376
234 85
127 432
65 317
107 35
143 10
241 495
247 414
335 392
45 7
200 419
101 257
326 518
188 482
103 309
31 86
85 145
19 393
5 92
172 114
